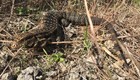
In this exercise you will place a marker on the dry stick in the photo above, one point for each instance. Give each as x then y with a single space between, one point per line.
9 63
13 2
66 42
126 51
128 36
92 31
12 9
94 37
110 54
6 41
9 35
61 42
2 35
136 65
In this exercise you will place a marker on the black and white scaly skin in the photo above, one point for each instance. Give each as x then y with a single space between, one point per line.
51 20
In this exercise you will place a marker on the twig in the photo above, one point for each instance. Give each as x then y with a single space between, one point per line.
9 63
12 8
133 61
94 39
6 41
65 42
110 54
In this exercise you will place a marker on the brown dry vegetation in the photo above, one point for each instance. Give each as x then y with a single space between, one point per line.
109 59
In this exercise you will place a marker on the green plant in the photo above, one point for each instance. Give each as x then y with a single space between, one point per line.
136 2
22 10
87 43
57 57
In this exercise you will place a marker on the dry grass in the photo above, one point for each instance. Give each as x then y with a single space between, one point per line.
92 53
